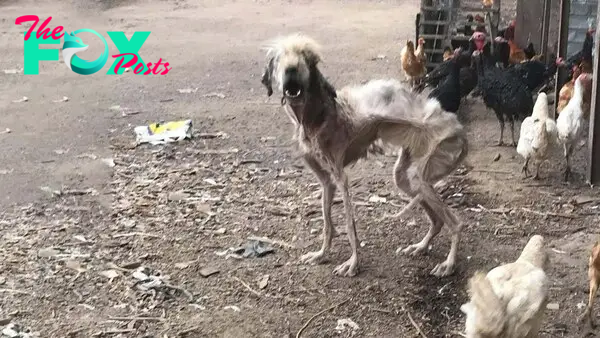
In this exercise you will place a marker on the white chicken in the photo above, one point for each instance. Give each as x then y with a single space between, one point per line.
570 122
538 134
510 300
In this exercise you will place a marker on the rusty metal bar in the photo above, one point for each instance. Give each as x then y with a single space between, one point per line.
563 40
593 174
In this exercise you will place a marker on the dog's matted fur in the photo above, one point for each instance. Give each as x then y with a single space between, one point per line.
337 128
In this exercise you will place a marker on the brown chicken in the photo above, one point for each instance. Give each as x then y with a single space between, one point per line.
413 65
517 55
566 93
594 276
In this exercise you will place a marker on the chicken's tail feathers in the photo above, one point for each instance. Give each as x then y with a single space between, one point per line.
486 314
540 108
534 252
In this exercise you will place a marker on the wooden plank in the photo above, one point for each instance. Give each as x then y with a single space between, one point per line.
434 51
593 172
546 30
478 9
435 22
433 36
466 38
434 9
563 40
529 23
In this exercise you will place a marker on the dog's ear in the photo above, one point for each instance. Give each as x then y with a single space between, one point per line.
312 58
267 77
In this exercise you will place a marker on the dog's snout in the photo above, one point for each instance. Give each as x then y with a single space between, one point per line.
292 70
292 83
291 77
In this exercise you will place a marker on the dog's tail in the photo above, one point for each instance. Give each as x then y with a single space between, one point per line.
486 313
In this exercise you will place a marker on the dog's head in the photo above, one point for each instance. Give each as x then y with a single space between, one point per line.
291 60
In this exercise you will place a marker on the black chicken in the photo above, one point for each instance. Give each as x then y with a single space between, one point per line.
503 92
584 55
534 73
468 80
448 92
439 73
500 57
467 29
501 51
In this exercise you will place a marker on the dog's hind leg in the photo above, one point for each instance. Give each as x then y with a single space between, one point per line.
435 225
446 217
410 185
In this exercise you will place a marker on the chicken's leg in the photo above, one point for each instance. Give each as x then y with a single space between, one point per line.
524 169
327 193
512 131
350 267
568 150
501 140
537 170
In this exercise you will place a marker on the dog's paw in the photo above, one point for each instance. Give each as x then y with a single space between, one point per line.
443 269
349 268
413 250
587 319
315 257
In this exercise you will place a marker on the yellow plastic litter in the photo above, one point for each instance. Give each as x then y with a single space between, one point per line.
164 132
159 128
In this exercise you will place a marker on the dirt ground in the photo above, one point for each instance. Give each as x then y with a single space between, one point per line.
121 251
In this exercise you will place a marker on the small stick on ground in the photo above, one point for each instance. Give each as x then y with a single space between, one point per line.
248 287
186 331
547 213
318 314
130 234
272 241
102 333
74 332
380 310
491 171
127 319
15 291
412 321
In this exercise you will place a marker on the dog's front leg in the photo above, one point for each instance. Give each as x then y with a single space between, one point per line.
350 267
327 193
